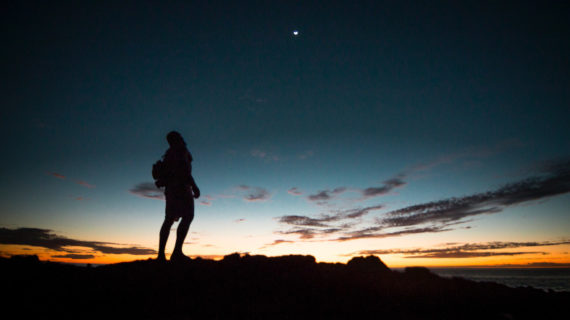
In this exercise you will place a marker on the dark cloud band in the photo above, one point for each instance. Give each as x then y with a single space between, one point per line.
47 239
555 181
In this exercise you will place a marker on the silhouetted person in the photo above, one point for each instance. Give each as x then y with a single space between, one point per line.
180 191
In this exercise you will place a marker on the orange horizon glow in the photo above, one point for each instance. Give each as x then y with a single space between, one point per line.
554 259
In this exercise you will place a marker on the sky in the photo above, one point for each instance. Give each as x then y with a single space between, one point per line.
427 133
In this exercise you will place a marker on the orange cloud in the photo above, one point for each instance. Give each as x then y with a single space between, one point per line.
57 175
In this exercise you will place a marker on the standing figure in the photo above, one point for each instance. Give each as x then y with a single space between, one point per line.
180 191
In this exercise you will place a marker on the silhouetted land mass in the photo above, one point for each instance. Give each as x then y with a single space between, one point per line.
258 287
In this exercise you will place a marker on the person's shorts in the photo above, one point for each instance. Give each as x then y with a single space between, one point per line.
179 202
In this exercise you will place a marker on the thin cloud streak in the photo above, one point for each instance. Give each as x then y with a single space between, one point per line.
468 250
478 254
57 175
370 233
147 190
309 233
79 182
475 152
323 220
254 194
276 242
85 184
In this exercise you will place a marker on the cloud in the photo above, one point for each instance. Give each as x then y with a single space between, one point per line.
57 175
324 220
359 212
79 182
279 241
309 233
47 239
75 256
324 195
239 220
554 181
550 179
468 250
85 184
256 153
294 191
373 232
276 242
388 186
378 231
308 227
306 221
147 190
473 152
208 200
254 194
444 159
398 180
478 254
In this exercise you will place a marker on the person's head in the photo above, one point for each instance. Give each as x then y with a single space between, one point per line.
175 139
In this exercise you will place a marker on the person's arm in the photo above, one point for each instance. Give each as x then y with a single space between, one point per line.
195 189
188 169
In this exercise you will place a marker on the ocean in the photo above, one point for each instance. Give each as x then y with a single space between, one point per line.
557 279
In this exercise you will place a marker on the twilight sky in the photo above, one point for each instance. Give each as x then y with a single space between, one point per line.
427 133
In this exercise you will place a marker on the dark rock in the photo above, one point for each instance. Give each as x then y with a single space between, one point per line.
418 272
25 258
367 264
259 287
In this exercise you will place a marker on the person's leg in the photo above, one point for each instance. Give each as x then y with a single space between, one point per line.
181 233
164 233
183 230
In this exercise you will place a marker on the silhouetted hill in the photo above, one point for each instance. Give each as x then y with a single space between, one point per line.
258 287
